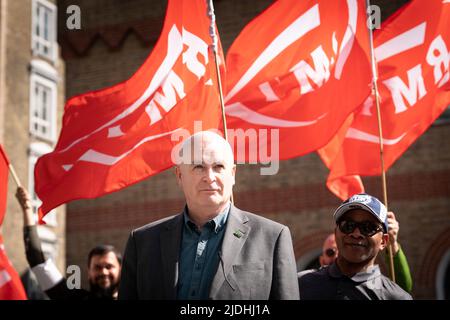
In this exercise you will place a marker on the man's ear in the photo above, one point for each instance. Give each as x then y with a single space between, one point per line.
178 175
384 241
233 172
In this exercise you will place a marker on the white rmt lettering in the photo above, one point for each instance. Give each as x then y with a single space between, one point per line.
319 75
296 30
173 85
441 58
190 57
168 99
400 90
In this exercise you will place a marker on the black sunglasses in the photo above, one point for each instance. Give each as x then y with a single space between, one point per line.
330 252
367 228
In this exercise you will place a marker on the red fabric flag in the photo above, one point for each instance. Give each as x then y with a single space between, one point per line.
4 163
348 185
412 51
300 67
11 287
118 136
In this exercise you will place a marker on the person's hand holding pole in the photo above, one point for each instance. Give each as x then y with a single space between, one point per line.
25 203
393 231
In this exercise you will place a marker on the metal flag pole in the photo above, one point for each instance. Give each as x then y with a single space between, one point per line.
380 131
214 46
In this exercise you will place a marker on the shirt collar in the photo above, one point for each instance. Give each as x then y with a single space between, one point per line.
371 272
218 222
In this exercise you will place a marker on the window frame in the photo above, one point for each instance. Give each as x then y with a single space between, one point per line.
39 42
38 79
444 264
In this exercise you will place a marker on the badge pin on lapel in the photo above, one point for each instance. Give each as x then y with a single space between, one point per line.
238 233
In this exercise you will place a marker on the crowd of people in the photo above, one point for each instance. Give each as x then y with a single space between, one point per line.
214 250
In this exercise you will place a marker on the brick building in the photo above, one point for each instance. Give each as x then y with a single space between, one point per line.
31 102
115 38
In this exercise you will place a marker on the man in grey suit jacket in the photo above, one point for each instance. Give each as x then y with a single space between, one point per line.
212 250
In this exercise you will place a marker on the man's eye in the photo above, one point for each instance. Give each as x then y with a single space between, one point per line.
219 166
198 167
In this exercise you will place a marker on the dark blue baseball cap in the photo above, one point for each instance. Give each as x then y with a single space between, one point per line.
364 202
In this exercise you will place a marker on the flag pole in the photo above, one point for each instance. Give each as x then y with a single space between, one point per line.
10 167
380 130
214 46
14 175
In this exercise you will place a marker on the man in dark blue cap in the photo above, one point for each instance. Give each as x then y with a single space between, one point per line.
361 232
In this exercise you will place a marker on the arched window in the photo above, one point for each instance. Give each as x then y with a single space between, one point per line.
443 278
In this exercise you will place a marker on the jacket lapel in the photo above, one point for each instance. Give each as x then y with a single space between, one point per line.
236 233
170 248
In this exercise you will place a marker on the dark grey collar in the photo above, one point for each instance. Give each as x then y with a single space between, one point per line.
364 276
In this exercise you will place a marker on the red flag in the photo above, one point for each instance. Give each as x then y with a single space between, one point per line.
347 185
118 136
300 67
11 287
4 163
412 51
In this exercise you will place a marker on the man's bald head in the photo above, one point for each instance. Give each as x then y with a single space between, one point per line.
194 148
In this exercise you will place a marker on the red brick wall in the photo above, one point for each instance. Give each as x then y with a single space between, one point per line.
418 184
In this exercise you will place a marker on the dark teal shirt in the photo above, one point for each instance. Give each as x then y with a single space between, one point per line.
199 256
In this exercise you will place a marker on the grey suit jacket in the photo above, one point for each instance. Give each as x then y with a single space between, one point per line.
258 264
